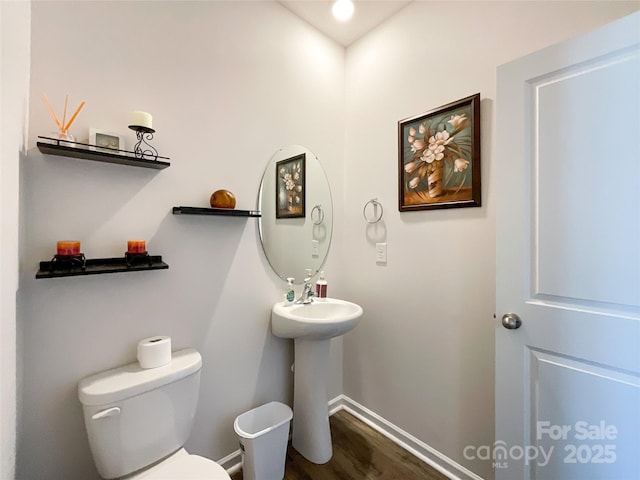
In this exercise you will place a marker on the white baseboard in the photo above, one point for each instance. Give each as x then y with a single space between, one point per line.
232 463
416 447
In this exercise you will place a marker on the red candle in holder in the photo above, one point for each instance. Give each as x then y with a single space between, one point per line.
136 246
68 247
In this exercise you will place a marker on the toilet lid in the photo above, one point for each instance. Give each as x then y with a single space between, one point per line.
187 467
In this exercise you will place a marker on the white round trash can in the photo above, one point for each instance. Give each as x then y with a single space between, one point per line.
264 434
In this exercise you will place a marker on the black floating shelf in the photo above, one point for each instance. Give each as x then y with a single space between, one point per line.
228 212
83 150
97 266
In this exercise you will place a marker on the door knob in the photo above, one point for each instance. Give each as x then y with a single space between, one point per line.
511 321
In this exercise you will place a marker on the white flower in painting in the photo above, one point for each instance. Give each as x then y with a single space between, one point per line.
289 184
460 165
422 128
431 154
440 138
414 182
412 132
457 120
417 145
436 147
411 166
410 139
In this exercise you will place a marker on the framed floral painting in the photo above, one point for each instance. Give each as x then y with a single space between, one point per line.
290 187
439 157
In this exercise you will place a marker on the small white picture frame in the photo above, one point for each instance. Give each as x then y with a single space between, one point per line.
103 141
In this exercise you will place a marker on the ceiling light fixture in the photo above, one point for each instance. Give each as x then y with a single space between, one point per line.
343 9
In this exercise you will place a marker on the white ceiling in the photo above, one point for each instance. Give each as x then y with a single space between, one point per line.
368 14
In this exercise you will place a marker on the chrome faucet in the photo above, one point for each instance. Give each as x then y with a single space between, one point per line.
308 293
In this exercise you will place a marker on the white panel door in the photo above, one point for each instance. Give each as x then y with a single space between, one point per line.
568 249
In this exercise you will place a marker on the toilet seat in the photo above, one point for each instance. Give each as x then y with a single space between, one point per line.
183 466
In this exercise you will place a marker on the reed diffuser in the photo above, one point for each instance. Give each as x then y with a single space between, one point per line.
63 126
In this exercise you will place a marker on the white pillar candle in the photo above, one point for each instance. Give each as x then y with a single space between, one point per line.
141 119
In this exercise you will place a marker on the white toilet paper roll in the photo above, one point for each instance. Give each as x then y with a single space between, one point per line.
154 352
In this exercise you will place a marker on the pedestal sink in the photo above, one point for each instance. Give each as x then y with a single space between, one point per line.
312 326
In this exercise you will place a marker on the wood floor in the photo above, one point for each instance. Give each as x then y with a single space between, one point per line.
359 453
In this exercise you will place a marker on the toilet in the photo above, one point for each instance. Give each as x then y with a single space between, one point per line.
138 421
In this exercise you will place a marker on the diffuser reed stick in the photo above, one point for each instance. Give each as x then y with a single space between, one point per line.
50 108
73 117
64 114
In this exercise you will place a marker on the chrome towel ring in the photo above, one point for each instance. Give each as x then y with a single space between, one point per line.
377 215
317 215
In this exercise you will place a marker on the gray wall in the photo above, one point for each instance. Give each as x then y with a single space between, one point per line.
227 84
423 357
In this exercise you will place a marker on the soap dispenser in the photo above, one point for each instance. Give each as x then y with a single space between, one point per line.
321 286
289 294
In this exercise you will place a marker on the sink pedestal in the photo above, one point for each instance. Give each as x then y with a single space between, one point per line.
312 326
311 434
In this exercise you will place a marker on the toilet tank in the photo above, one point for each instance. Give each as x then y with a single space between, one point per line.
135 417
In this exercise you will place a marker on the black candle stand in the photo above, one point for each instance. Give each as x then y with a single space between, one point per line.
132 259
67 262
143 148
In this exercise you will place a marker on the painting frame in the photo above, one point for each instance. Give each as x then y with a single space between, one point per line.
103 141
291 188
439 164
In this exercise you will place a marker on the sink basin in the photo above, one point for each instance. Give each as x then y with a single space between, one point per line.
322 319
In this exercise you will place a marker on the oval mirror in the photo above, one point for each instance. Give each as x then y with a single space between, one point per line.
297 213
